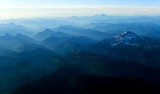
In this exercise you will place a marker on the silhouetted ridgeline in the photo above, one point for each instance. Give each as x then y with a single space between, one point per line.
72 81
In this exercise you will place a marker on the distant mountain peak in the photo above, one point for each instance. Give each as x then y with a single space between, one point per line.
47 29
127 34
101 15
128 38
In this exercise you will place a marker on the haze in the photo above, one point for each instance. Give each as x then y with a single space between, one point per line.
63 8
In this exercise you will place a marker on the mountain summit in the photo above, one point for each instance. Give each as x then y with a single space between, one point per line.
128 38
127 35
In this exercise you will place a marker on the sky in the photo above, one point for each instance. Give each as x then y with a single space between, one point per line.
78 2
56 8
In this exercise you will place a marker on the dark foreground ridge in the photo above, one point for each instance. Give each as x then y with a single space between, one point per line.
74 83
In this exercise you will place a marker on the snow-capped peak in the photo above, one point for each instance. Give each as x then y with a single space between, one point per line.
128 38
127 35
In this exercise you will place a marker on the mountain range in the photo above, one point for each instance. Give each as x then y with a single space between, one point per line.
80 57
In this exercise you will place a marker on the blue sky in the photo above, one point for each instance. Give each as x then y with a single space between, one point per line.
80 2
54 8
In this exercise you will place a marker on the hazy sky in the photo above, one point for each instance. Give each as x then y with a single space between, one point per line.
79 2
52 8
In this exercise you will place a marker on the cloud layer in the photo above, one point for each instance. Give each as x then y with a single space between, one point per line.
63 11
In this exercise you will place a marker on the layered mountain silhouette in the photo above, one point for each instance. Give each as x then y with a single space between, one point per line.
14 29
80 59
49 33
95 34
16 42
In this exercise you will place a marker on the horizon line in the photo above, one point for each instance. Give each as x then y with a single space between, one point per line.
82 6
42 17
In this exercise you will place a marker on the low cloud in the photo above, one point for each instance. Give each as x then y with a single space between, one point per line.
52 11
